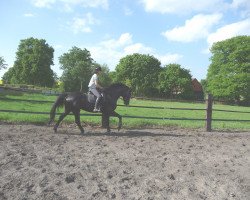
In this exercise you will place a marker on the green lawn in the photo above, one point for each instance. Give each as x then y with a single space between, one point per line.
128 111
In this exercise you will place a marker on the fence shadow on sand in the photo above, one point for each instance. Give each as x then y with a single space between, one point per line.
127 133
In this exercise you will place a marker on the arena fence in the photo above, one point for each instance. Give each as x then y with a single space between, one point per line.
208 120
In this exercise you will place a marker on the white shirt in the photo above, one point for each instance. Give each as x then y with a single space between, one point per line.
93 80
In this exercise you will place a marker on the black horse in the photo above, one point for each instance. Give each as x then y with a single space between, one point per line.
74 102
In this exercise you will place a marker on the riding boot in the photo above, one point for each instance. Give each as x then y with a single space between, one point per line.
97 105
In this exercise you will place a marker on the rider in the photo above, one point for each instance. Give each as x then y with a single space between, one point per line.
93 85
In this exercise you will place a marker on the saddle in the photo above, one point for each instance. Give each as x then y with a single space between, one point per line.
91 97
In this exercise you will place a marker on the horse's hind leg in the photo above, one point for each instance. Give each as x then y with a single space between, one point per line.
62 116
77 120
59 121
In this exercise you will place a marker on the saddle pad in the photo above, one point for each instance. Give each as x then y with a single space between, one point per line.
91 98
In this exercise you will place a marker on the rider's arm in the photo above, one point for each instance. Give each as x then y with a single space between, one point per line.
97 84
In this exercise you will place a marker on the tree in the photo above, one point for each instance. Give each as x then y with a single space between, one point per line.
32 66
228 76
204 85
112 76
77 66
140 72
105 77
9 76
176 82
2 63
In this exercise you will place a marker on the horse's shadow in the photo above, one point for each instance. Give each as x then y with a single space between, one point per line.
128 133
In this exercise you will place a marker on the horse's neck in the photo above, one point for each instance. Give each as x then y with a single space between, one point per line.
114 95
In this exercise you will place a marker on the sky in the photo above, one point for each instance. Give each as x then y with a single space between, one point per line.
173 31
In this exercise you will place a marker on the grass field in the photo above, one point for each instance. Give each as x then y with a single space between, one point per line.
129 111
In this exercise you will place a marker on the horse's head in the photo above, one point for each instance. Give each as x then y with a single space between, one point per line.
117 90
126 96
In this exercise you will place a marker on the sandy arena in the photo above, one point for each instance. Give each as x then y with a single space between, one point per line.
36 163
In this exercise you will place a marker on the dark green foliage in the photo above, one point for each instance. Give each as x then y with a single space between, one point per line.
105 78
32 65
140 72
8 76
77 66
2 63
176 82
204 85
228 75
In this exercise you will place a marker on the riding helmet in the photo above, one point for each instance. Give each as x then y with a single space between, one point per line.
97 69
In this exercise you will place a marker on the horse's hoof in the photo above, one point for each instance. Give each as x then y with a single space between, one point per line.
82 132
55 129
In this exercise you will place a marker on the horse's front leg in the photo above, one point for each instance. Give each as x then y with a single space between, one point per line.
115 114
105 122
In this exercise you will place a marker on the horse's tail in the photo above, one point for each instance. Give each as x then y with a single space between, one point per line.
58 103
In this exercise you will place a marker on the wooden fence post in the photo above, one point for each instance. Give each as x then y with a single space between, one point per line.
209 113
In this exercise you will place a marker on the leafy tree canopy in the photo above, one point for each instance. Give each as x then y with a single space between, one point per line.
228 75
175 82
2 63
77 66
32 65
9 76
204 85
140 72
105 77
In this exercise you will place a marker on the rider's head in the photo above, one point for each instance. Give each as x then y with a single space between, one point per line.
98 69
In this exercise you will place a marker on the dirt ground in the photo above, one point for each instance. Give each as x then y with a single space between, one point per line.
36 163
